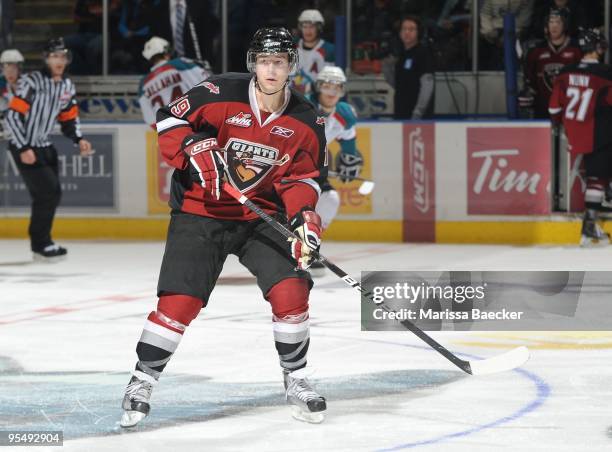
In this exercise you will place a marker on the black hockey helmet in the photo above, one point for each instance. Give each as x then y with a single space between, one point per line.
561 13
56 45
591 40
272 40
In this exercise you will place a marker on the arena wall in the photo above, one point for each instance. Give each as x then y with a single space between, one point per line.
445 182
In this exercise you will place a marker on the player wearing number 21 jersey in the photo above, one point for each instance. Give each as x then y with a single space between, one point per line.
582 101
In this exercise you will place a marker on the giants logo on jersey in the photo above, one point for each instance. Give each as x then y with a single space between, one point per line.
248 162
241 120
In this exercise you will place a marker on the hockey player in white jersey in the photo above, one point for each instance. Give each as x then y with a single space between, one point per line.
315 53
168 79
340 120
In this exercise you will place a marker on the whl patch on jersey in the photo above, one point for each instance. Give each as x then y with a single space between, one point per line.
248 163
321 120
283 132
180 108
241 120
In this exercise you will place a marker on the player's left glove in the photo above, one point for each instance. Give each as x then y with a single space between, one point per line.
207 163
306 224
526 98
348 166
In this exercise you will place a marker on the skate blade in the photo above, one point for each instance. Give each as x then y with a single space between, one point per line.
131 418
588 242
305 416
49 260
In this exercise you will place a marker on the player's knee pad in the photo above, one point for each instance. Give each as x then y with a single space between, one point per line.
289 300
327 207
595 190
179 308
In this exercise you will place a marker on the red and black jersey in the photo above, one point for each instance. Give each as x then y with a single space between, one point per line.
543 64
272 158
582 99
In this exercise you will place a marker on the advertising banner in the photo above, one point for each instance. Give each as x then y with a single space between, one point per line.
419 183
509 170
351 201
85 181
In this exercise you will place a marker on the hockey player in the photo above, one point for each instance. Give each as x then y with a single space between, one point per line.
11 61
270 144
340 119
582 100
168 79
315 52
546 60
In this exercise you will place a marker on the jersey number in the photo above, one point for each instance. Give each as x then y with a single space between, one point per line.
578 99
159 102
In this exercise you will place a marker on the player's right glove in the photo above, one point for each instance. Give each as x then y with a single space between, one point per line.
348 166
207 163
306 224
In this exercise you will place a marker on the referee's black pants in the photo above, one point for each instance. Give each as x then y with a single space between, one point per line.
42 182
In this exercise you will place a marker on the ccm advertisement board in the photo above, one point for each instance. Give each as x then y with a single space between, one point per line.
419 182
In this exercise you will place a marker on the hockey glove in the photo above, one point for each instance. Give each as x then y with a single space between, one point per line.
207 163
526 98
348 166
306 224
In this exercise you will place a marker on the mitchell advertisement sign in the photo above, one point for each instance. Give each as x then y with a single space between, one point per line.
85 181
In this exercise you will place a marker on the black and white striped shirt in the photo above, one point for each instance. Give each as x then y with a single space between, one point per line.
38 104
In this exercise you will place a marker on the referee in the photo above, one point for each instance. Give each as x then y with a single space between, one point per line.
43 98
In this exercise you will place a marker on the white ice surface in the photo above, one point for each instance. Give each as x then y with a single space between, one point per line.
68 334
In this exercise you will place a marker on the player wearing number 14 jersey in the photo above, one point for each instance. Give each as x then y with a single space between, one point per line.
168 79
582 100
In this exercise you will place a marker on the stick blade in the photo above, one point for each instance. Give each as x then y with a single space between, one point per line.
366 187
501 363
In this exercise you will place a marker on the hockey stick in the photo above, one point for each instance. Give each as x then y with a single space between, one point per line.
506 361
364 189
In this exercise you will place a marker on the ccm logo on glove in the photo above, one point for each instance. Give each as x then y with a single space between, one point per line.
200 146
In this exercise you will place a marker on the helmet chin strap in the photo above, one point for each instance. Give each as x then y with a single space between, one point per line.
269 94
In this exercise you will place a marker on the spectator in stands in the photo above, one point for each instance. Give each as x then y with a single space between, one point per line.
313 50
545 60
245 17
86 44
576 13
411 73
189 25
7 17
134 28
492 14
449 35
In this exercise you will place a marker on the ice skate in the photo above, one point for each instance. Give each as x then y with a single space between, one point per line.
592 234
306 404
50 253
136 399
